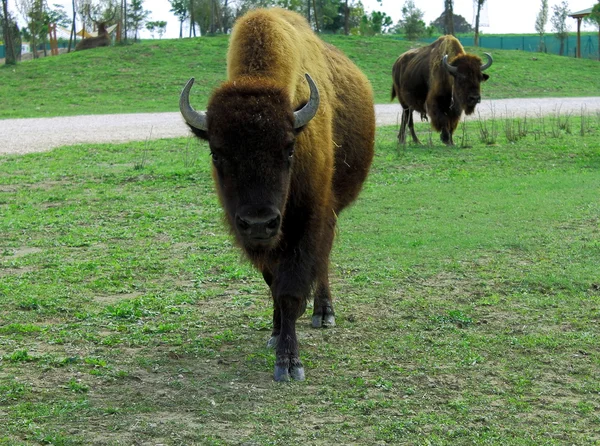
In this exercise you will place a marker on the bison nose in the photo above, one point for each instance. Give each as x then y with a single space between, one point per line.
474 99
258 225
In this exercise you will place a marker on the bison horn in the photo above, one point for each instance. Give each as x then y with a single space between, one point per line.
191 116
449 67
488 63
306 113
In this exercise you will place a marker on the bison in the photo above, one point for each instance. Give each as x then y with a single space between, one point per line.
291 134
440 81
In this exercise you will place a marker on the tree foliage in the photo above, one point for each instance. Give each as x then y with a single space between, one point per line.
157 26
9 31
411 24
449 17
329 16
560 13
540 23
460 24
136 17
594 18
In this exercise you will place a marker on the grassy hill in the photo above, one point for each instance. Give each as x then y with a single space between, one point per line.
148 77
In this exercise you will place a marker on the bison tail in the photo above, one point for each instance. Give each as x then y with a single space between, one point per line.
393 93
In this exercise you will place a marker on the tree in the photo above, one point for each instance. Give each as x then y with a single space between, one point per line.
73 35
137 17
161 28
8 26
460 23
158 26
477 17
180 8
346 18
375 23
449 16
558 21
594 18
411 23
33 13
57 15
540 23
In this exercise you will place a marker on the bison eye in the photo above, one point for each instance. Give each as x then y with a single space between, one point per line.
290 150
215 157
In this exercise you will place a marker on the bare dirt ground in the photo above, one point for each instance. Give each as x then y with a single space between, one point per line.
20 136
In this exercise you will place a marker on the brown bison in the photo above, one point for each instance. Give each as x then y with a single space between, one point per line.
289 151
440 81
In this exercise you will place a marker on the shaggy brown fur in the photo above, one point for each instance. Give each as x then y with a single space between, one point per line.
297 180
102 39
422 83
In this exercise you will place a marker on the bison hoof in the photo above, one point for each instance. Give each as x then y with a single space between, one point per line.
285 373
323 320
272 342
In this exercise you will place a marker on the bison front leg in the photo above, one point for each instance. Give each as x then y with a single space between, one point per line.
287 363
272 342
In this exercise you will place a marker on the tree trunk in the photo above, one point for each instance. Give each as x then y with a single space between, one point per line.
125 20
33 40
225 17
476 40
316 15
181 29
346 19
192 19
73 35
449 17
10 58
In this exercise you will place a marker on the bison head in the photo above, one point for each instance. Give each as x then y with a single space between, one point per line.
251 129
468 73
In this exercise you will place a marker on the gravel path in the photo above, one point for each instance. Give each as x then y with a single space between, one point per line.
19 136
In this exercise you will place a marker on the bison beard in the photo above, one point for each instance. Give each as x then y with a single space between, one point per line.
289 154
440 81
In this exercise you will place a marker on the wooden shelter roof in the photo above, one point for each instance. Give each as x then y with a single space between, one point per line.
581 14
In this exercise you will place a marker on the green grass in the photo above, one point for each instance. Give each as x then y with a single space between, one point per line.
465 279
149 76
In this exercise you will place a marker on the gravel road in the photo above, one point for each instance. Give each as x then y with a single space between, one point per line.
19 136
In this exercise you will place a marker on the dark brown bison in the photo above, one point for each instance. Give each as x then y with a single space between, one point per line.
440 81
289 152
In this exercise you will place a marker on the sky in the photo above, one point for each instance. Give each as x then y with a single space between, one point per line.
505 16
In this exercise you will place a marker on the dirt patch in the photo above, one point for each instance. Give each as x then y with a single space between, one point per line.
22 252
16 271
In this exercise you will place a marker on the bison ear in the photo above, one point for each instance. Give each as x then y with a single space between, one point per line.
202 134
485 77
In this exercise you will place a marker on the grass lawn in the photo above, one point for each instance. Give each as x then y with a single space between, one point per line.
465 280
149 76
